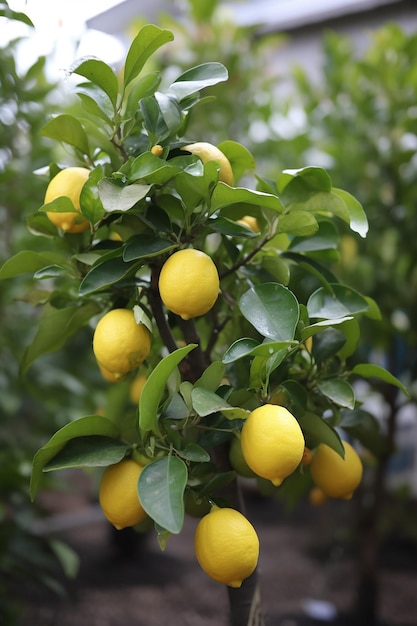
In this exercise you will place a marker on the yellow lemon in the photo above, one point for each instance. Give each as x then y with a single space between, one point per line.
120 344
118 495
272 442
68 182
207 152
337 477
136 387
226 546
251 222
316 496
189 283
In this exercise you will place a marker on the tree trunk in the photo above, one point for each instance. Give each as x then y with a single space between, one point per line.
366 609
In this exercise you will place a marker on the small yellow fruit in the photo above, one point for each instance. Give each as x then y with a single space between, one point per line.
251 222
68 182
189 283
120 344
207 152
307 456
337 477
136 387
157 150
237 460
226 546
272 442
118 495
316 496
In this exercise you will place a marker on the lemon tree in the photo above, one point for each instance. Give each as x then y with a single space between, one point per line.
239 331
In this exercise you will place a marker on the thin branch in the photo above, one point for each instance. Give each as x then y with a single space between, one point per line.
246 258
158 312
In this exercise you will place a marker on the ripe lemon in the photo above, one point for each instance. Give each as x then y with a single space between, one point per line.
136 387
118 495
207 152
120 344
272 442
336 477
251 222
226 546
68 182
316 496
189 283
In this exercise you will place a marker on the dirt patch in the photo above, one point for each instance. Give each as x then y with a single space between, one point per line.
126 579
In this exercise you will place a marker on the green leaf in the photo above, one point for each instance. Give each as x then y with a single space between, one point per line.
67 557
368 370
311 178
161 489
241 160
146 246
141 88
197 78
223 196
82 427
103 274
317 430
154 387
90 202
272 309
365 428
326 238
67 129
146 42
249 347
212 376
231 228
194 453
151 169
358 219
298 223
117 198
92 108
338 391
341 302
17 16
206 402
100 74
55 327
88 451
28 261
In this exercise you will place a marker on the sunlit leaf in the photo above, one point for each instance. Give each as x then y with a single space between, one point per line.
342 301
197 78
98 73
272 309
161 489
146 42
82 427
154 387
117 198
338 391
146 246
67 129
369 370
88 451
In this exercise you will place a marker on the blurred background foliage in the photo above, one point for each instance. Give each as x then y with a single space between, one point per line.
358 121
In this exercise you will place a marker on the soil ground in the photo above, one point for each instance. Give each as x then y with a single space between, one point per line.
125 579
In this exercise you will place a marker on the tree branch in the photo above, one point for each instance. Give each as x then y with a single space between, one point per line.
246 258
